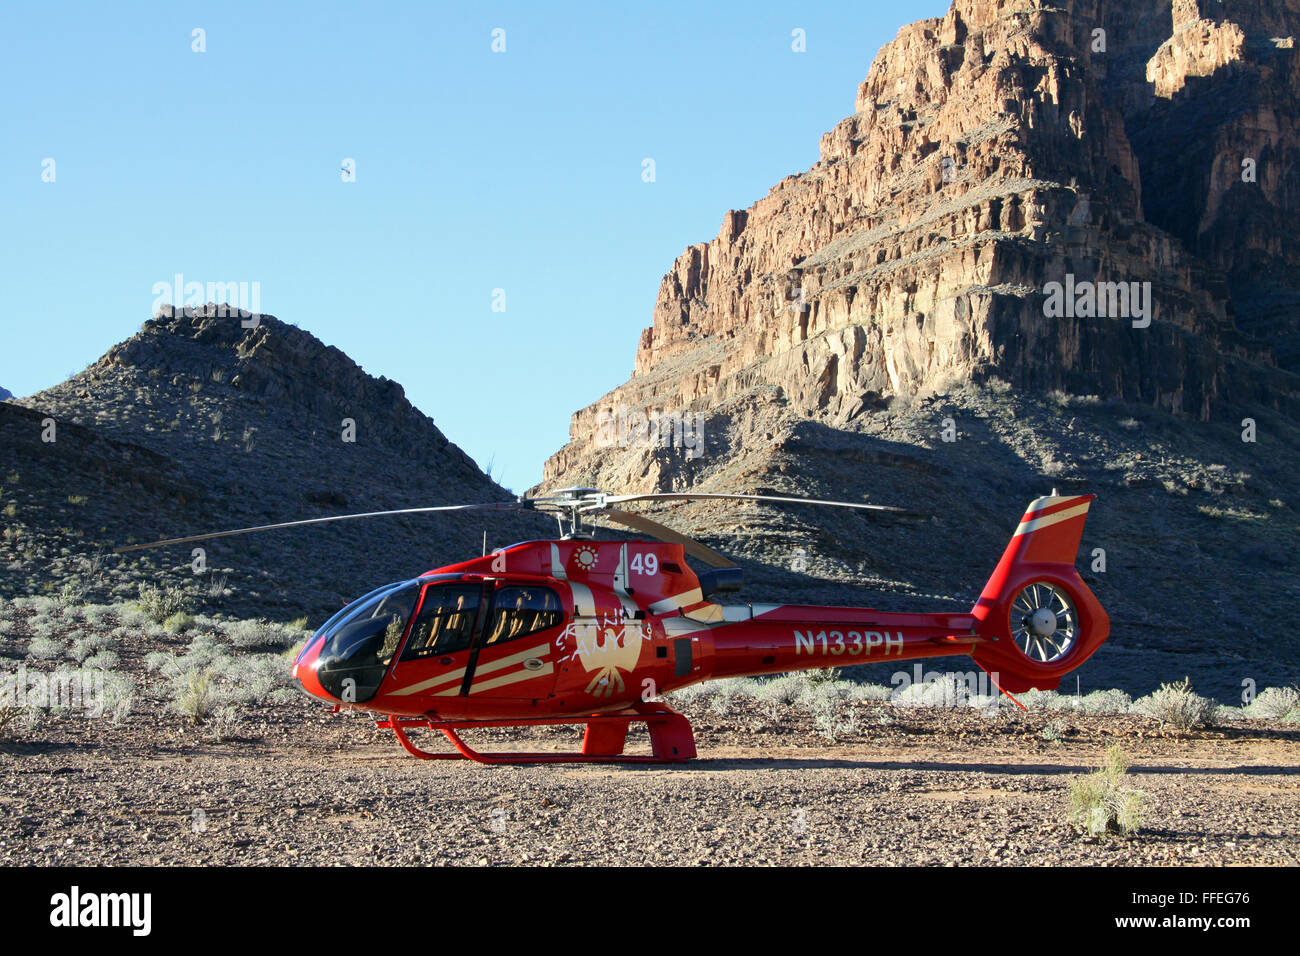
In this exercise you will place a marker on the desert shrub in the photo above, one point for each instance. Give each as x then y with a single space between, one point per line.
71 594
1102 803
1273 703
103 661
223 723
10 713
9 720
833 720
160 603
194 696
258 633
946 690
726 690
1047 700
72 613
841 690
88 645
1106 702
785 689
43 626
1179 707
97 614
104 693
217 587
208 676
45 649
204 652
132 618
1053 731
691 694
870 692
41 605
15 721
820 675
156 661
178 623
252 680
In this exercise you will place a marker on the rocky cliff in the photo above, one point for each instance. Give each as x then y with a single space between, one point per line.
993 152
1041 220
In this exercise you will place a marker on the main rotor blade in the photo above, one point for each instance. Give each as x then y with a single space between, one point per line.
494 506
692 495
655 530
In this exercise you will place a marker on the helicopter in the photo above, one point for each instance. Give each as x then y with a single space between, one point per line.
584 631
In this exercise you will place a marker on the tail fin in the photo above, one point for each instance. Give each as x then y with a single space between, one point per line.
1039 620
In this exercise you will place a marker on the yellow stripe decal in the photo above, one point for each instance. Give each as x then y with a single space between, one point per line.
518 658
1046 522
456 675
512 678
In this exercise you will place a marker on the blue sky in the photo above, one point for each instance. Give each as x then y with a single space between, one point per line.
475 171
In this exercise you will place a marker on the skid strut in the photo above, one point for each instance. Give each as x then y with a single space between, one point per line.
671 737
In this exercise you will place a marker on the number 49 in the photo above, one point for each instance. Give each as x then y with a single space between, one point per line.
647 564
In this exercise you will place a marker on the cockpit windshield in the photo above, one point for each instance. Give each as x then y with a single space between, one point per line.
360 641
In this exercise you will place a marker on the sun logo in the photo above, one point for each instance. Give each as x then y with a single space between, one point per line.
585 557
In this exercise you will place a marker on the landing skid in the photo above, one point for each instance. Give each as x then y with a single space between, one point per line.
671 737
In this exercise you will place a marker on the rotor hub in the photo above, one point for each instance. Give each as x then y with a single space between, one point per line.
1042 622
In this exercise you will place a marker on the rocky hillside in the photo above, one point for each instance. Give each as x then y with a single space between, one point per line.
1054 244
198 424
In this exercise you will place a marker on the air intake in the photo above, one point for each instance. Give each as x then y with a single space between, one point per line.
721 581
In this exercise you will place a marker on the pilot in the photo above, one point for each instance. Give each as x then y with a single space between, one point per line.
422 635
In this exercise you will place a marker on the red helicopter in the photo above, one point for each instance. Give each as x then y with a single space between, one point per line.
577 630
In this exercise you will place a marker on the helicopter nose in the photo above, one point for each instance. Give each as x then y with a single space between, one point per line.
304 668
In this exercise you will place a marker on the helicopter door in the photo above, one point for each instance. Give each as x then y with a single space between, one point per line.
515 658
437 655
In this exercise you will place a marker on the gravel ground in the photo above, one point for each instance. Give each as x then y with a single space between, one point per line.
914 786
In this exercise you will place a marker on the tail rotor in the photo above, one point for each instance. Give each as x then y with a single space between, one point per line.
1038 619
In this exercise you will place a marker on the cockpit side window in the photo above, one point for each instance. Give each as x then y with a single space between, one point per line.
358 646
520 611
446 621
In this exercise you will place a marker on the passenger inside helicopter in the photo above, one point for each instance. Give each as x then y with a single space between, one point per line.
520 611
446 621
